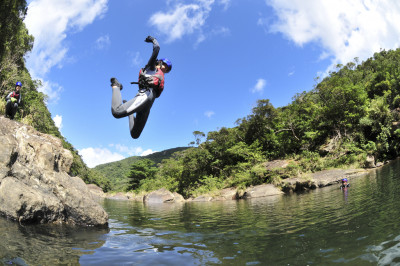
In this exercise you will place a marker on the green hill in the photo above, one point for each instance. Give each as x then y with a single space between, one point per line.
116 172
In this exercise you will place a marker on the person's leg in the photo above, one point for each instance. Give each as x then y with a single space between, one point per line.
116 100
124 108
14 108
136 124
6 111
8 108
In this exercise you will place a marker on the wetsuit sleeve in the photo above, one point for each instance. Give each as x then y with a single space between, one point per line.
20 98
8 96
153 59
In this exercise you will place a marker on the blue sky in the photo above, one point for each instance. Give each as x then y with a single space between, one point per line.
226 55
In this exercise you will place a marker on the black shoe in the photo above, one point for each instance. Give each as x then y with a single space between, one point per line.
124 101
115 82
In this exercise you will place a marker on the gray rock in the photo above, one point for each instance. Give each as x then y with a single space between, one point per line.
159 196
178 197
119 196
320 179
276 164
97 192
261 191
226 194
34 183
370 162
202 198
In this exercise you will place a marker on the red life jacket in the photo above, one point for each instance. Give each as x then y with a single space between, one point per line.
155 81
15 95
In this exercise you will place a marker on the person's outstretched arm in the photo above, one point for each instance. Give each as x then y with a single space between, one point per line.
156 48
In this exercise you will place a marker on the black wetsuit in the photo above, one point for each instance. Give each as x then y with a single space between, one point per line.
12 106
142 102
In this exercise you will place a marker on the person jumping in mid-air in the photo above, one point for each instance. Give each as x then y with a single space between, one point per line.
151 85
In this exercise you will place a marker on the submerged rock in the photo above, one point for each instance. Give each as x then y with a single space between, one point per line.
34 183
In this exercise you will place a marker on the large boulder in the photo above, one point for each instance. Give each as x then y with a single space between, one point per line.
370 162
319 179
227 194
162 195
97 192
263 190
34 183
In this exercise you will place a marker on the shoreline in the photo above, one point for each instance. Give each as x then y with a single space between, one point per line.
310 181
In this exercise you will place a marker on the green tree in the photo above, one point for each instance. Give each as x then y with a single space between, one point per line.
15 41
198 135
141 170
261 126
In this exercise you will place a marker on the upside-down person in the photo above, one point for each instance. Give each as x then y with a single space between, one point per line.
151 85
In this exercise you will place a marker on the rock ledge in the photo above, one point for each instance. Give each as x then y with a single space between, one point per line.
34 183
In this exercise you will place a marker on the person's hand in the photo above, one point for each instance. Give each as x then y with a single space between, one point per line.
149 39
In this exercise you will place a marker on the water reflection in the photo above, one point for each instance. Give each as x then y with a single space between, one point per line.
329 226
319 226
46 244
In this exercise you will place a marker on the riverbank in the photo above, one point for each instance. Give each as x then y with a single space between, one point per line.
310 181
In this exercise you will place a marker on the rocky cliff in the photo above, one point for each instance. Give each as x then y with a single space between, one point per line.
34 183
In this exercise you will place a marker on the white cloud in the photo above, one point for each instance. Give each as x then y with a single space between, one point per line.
209 114
344 29
50 21
217 31
58 121
52 90
131 151
185 19
96 156
103 42
136 59
115 152
147 152
225 3
259 87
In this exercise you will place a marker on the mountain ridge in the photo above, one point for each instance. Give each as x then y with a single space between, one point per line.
116 171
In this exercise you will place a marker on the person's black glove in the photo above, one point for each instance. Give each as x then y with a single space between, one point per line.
149 39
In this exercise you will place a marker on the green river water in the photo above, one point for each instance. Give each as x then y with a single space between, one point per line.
327 226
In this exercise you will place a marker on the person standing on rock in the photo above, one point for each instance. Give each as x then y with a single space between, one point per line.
13 101
151 85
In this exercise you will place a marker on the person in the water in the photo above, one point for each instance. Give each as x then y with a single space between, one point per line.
344 183
151 85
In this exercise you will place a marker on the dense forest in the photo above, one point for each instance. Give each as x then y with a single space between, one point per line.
349 116
117 172
15 43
